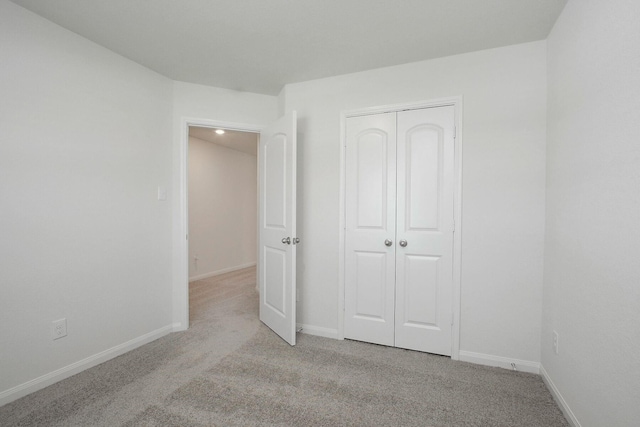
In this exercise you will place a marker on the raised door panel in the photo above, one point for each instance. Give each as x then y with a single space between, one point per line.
275 182
370 221
423 168
424 292
371 271
371 180
275 272
420 308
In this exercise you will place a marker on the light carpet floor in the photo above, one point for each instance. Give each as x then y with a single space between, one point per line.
230 370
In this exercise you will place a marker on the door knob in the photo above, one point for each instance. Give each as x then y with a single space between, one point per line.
388 242
403 243
286 240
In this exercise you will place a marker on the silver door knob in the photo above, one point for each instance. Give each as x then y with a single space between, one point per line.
296 240
403 243
388 242
286 240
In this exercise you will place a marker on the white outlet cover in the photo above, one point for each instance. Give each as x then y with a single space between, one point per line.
58 329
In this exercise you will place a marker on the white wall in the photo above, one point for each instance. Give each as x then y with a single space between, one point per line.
592 272
504 119
199 102
85 140
222 208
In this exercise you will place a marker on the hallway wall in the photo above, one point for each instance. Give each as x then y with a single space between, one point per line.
222 208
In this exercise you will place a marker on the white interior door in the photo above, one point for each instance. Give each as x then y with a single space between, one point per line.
424 255
370 228
277 227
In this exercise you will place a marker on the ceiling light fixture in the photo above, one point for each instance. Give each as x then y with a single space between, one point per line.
219 131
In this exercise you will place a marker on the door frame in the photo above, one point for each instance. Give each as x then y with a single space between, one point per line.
181 291
457 103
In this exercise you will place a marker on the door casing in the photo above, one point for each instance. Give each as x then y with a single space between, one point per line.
456 102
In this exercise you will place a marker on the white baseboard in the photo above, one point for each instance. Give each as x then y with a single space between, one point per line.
317 330
499 361
568 413
53 377
178 327
223 271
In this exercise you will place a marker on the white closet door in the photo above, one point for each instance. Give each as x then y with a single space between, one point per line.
423 312
370 221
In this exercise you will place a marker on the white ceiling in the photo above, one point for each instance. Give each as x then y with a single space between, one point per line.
247 142
260 45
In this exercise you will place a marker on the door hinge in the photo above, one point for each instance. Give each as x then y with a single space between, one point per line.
186 237
454 131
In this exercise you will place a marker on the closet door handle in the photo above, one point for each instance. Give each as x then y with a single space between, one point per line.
403 243
286 240
388 242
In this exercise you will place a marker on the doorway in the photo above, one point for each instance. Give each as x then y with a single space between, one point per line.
277 177
188 267
222 201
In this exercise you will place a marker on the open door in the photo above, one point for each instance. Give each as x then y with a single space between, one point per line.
277 227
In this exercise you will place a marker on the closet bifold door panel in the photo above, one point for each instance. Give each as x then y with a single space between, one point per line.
399 229
424 264
370 184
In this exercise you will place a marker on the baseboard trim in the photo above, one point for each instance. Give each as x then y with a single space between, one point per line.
564 406
317 330
46 380
219 272
178 327
499 361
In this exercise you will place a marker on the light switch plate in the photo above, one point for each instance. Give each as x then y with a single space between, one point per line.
162 193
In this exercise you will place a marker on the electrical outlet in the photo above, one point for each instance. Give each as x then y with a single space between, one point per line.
555 342
58 329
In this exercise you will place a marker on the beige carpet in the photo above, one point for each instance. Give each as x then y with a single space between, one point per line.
229 370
